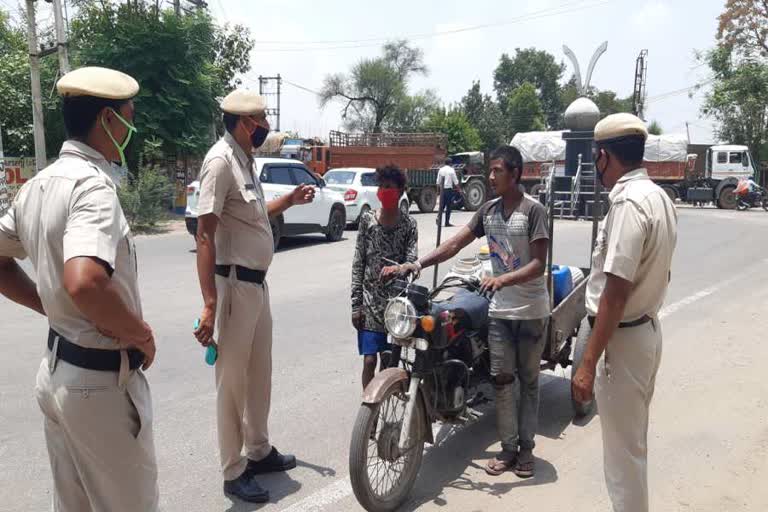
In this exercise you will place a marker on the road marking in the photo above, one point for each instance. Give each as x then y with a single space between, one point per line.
329 494
342 488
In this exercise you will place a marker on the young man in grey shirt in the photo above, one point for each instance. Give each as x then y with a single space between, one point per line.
515 226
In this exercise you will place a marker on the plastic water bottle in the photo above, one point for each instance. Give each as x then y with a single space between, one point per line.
211 351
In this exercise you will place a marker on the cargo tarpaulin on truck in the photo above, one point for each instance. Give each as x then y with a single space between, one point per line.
666 148
540 146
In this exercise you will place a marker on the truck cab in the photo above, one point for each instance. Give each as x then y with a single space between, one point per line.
729 162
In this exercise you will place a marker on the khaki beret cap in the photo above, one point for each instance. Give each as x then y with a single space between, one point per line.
620 125
98 82
242 102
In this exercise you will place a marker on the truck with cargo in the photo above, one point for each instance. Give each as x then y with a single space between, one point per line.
420 155
668 160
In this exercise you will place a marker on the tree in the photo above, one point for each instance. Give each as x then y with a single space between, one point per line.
486 117
182 64
536 67
232 46
16 94
744 25
461 135
375 88
523 112
655 128
738 100
412 111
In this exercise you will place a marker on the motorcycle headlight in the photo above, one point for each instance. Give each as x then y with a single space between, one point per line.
400 318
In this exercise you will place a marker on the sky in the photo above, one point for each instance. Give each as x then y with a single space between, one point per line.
305 40
671 31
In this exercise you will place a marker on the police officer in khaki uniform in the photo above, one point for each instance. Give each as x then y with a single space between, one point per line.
90 387
234 251
630 273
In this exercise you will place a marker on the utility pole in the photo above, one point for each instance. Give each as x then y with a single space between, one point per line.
177 7
61 37
37 102
639 92
270 92
688 131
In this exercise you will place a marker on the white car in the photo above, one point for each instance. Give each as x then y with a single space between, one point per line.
279 176
358 184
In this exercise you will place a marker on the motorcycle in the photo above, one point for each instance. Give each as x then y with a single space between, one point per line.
443 348
754 199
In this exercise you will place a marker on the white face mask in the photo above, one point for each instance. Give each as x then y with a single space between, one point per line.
117 174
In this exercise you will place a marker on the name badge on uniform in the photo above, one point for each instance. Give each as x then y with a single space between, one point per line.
250 186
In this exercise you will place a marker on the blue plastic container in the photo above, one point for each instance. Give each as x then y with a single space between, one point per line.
562 282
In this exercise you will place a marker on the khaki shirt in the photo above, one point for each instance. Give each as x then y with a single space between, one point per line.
230 189
69 210
635 242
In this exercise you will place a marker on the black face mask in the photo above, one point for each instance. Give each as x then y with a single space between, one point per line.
600 174
258 136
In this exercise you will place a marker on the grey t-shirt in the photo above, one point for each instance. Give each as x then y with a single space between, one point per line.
509 241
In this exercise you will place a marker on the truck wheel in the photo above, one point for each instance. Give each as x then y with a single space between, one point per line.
671 193
727 199
475 195
427 199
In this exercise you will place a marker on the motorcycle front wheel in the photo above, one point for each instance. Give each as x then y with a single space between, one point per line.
382 477
765 204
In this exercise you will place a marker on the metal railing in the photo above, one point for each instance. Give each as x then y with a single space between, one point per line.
576 187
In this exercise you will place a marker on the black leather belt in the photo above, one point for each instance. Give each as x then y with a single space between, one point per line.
243 273
624 325
92 358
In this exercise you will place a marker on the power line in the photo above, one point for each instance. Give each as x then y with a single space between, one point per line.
371 42
307 89
678 92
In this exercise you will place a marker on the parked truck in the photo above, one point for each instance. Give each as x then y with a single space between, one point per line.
668 160
420 155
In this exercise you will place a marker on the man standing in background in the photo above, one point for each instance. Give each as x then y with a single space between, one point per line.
449 185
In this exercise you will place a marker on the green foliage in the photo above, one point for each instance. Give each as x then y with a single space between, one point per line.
536 67
486 117
523 110
738 100
145 195
376 89
655 128
15 91
412 111
462 136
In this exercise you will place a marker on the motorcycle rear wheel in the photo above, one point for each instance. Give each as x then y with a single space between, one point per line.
382 477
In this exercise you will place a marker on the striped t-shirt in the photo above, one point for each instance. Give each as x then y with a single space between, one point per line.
509 240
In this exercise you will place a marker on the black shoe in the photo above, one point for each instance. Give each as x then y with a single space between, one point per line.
272 463
246 488
449 225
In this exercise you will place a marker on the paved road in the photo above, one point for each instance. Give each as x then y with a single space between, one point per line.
709 432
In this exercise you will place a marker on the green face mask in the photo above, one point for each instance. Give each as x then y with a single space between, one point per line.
120 147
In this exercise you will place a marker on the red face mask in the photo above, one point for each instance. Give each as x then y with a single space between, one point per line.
388 197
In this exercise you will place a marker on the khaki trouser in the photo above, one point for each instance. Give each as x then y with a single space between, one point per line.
243 373
626 377
98 428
